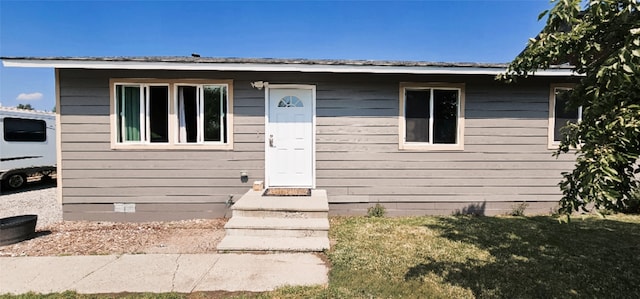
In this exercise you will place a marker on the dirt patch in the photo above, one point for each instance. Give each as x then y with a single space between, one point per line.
101 238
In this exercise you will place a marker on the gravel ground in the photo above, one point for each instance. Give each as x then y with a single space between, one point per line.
55 237
36 199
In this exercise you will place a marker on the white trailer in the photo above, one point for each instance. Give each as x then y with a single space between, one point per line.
27 145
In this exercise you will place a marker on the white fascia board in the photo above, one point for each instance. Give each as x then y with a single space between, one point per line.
266 67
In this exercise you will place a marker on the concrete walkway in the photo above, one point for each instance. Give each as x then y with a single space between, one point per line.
158 273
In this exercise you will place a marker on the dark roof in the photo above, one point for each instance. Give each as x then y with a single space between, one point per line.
274 61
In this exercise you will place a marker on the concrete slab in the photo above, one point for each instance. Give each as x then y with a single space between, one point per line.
148 273
254 200
160 273
264 272
47 274
260 243
192 270
278 223
132 273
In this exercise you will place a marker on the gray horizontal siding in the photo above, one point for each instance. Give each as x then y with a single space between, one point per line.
357 158
87 176
453 174
505 157
93 173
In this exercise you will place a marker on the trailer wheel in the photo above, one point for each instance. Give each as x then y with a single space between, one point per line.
16 180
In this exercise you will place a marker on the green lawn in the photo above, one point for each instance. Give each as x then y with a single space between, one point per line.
481 257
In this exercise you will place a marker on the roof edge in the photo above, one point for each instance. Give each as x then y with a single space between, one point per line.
274 65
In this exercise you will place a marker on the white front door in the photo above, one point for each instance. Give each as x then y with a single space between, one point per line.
289 136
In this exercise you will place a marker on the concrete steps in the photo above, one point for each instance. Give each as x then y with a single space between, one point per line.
253 243
269 226
275 223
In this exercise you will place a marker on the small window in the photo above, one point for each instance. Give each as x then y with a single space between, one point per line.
432 116
561 114
290 101
202 116
25 130
143 113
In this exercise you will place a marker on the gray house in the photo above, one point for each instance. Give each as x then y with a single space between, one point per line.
178 137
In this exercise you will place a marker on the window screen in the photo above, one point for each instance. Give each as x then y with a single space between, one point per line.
445 116
158 113
188 114
214 98
562 113
129 120
417 115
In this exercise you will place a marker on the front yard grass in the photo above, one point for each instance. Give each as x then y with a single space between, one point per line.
481 257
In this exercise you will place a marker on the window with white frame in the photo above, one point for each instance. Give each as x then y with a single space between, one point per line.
561 113
143 113
432 115
172 113
201 113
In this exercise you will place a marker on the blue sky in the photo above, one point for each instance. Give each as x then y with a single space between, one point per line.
451 31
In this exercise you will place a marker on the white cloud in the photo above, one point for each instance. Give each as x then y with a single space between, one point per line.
29 96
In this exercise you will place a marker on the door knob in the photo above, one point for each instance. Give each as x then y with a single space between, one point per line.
271 140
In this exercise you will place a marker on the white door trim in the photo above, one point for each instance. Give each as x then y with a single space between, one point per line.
268 87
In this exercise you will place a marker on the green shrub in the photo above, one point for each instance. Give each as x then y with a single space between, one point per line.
632 204
518 209
376 211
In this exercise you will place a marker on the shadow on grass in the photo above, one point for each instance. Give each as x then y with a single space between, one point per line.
539 257
473 209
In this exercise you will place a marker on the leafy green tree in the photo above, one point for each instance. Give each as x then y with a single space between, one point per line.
24 106
601 39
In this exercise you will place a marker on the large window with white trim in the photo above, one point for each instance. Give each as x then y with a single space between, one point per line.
180 113
560 113
431 115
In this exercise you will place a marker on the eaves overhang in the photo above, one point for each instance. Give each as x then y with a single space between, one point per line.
272 65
